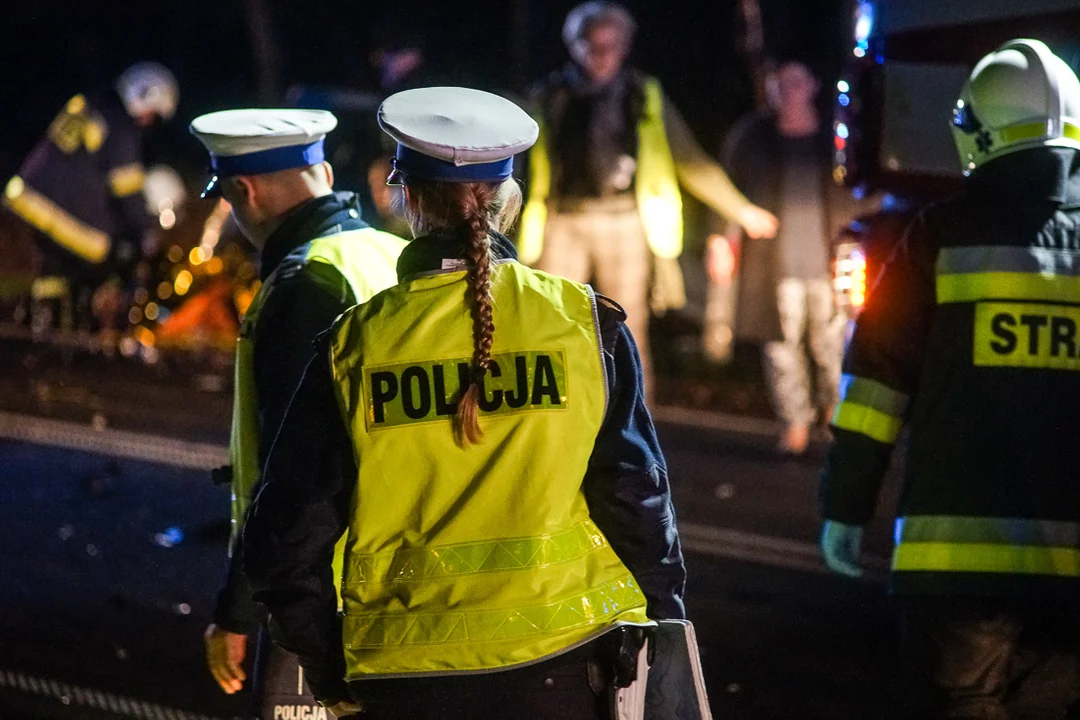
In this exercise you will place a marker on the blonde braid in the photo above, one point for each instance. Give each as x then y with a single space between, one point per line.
473 210
475 216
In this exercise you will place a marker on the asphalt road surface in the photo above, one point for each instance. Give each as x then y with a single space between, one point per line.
113 542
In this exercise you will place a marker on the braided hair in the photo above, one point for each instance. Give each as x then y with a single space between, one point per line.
471 210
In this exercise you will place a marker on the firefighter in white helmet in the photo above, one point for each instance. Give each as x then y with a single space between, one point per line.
971 340
81 187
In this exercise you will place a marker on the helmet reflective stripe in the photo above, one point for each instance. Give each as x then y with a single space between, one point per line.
148 87
1020 96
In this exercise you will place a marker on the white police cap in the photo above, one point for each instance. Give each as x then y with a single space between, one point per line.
454 134
256 141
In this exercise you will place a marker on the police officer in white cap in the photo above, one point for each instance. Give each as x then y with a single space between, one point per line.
318 257
480 434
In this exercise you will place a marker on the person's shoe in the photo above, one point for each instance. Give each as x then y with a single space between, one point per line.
794 440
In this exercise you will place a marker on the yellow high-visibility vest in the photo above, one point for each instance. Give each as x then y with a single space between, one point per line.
656 186
367 259
478 559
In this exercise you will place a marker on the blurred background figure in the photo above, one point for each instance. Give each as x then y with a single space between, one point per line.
360 152
782 161
604 203
80 189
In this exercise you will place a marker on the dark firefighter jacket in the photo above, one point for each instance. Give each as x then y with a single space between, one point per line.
971 338
298 310
303 506
82 184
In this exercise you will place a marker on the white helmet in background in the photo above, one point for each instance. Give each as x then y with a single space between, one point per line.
1018 97
148 87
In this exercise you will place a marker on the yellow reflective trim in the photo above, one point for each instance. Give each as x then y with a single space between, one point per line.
590 608
126 179
421 564
986 557
94 134
76 105
68 231
867 421
530 238
14 188
50 287
970 287
1019 133
1030 131
656 182
1027 335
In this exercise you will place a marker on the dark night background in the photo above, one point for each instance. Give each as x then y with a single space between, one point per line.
52 49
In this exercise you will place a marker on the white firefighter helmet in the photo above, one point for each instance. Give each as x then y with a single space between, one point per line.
1018 97
148 87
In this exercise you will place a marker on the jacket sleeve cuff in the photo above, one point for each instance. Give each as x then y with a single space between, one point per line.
236 610
233 624
852 478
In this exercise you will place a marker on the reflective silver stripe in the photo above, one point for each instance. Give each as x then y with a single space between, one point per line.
994 258
594 607
498 555
987 530
872 394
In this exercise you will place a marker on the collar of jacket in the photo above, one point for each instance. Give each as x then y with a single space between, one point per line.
1030 176
426 253
318 217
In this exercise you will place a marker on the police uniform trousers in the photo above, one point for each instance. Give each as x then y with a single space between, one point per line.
608 249
989 658
280 692
571 686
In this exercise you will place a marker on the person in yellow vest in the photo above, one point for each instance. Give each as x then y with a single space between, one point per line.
479 431
318 257
603 181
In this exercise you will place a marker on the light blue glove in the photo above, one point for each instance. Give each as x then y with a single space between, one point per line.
841 546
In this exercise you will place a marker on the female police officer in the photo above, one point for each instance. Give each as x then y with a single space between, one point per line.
479 432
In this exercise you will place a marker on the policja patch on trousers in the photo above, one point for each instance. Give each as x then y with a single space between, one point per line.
280 687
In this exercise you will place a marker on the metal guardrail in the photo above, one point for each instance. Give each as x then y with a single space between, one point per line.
75 696
125 444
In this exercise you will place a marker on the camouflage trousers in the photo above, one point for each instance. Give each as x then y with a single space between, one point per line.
808 320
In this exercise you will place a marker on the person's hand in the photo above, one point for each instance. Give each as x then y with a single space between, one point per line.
345 708
758 223
225 657
841 546
719 259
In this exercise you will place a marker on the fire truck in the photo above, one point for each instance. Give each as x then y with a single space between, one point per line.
894 103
